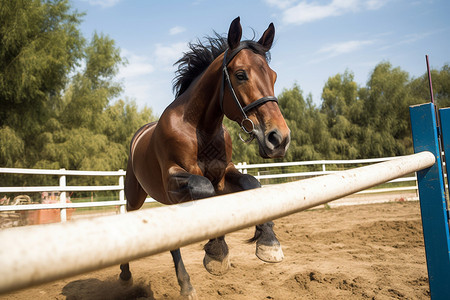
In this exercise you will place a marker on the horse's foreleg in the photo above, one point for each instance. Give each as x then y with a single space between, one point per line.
268 247
183 186
187 290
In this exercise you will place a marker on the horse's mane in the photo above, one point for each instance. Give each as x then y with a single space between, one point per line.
201 55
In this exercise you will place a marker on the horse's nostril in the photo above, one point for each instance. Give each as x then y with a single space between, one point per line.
274 138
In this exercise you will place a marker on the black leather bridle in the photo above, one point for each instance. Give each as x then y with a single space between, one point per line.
246 124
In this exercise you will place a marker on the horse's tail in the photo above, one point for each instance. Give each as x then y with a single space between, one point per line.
255 237
267 227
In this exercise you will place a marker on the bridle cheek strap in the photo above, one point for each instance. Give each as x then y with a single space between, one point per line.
246 124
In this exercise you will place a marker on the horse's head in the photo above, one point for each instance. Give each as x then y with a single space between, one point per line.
247 91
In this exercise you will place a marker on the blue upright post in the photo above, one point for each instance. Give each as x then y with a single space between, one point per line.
432 201
444 115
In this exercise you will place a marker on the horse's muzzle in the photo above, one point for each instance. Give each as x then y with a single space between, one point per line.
274 144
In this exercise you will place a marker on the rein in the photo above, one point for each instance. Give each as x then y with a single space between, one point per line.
246 124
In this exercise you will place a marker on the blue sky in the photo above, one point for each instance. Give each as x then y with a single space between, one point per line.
314 39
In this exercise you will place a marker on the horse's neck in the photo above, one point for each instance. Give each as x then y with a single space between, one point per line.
202 106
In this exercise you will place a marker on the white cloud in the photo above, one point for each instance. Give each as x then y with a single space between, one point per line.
309 11
103 3
375 4
281 4
344 47
147 78
176 30
136 75
138 65
169 54
336 49
410 39
414 37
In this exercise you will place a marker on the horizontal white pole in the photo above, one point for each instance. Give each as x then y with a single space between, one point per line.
67 249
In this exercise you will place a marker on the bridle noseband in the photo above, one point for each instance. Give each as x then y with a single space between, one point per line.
246 124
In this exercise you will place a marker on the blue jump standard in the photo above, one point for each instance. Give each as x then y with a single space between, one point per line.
432 195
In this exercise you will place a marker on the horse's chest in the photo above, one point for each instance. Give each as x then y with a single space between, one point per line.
212 160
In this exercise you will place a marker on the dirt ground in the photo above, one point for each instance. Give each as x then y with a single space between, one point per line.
373 251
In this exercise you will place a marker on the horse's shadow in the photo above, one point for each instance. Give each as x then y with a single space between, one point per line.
113 289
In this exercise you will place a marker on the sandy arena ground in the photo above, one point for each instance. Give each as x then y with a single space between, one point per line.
373 251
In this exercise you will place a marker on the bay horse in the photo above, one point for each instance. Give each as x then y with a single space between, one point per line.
186 155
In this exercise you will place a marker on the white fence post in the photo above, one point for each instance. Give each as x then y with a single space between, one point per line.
122 193
323 168
62 197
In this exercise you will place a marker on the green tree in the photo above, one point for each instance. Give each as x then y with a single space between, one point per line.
307 125
91 133
40 44
11 148
53 112
420 91
386 105
91 90
338 96
342 108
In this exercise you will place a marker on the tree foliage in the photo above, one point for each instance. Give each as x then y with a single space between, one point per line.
58 93
40 45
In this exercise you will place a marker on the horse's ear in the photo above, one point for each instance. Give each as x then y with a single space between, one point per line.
234 33
267 38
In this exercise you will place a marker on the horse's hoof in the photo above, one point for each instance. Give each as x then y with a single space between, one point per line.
272 254
191 295
216 267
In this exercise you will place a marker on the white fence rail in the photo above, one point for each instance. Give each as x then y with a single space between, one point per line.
244 168
91 244
324 166
63 188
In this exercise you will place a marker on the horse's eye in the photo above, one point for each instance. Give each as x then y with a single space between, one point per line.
241 75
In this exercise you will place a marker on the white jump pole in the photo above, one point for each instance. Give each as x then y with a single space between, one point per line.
43 253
